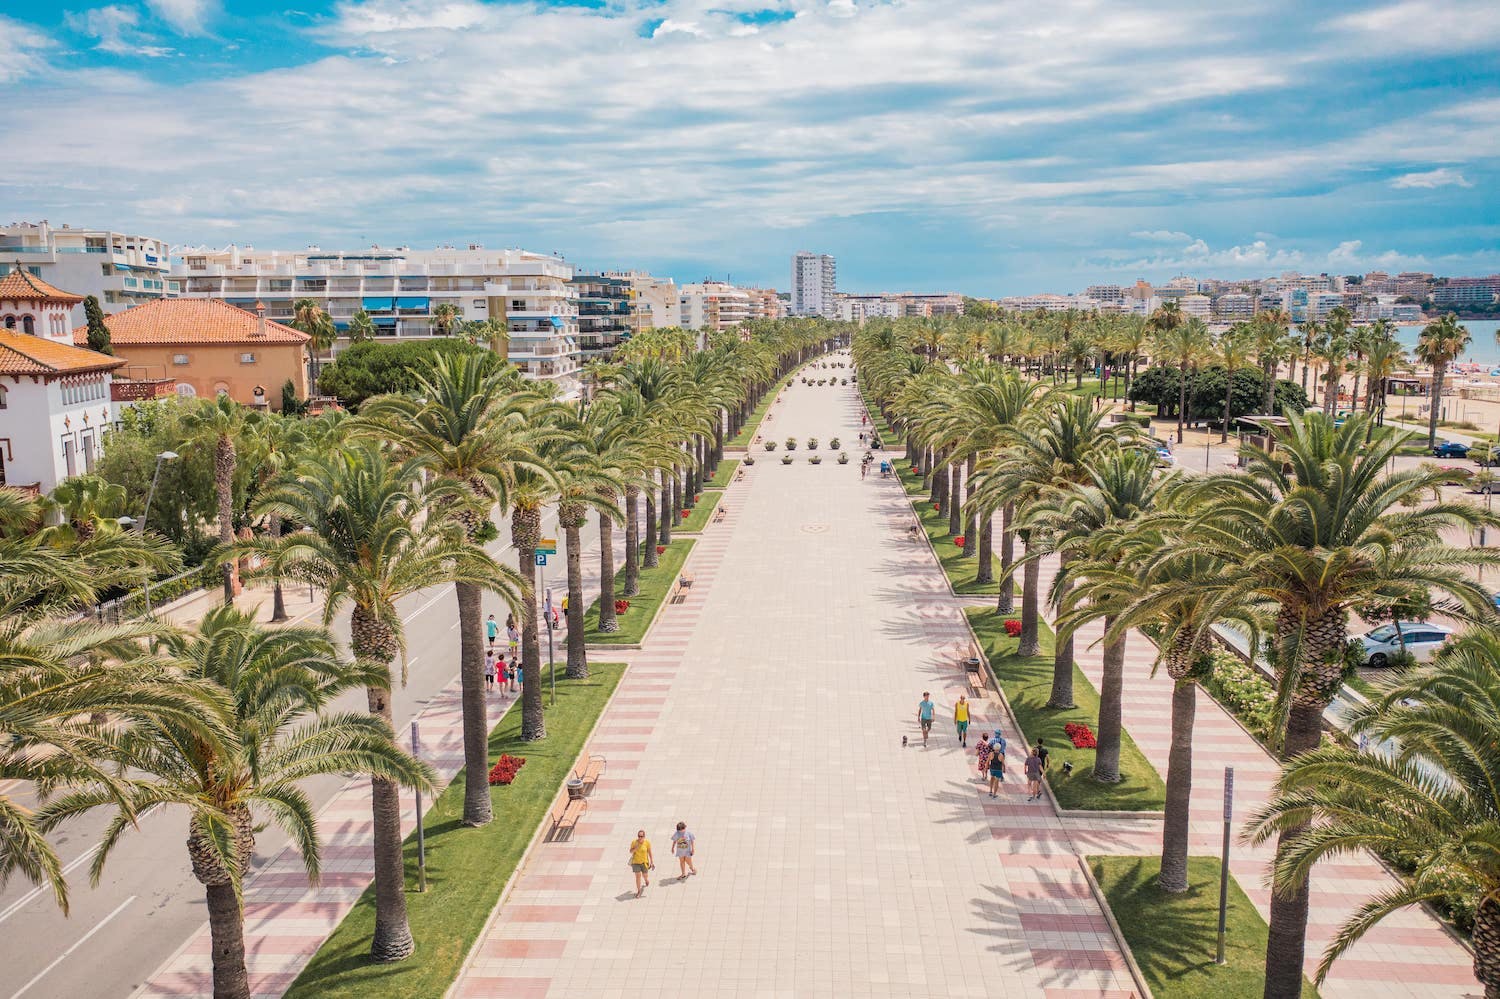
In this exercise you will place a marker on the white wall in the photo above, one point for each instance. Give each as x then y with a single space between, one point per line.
36 422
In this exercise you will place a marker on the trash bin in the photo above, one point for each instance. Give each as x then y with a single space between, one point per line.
575 788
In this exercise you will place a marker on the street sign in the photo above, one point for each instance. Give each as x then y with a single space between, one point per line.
541 558
546 546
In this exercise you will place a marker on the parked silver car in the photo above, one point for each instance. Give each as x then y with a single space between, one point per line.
1421 639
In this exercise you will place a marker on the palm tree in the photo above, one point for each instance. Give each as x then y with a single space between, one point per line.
1441 342
273 688
470 426
1313 336
218 423
585 480
278 443
1385 357
361 327
369 541
444 316
1313 531
88 503
1233 349
1433 802
1272 346
1334 353
1128 337
532 489
1182 342
309 317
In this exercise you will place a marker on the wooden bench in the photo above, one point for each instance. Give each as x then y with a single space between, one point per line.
590 771
973 668
565 815
680 588
719 513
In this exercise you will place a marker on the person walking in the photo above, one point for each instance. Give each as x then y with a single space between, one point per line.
512 636
864 468
641 862
924 716
982 753
515 674
502 675
1033 775
491 629
683 843
997 765
489 668
961 720
1041 751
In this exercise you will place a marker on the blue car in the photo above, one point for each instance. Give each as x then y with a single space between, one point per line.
1450 449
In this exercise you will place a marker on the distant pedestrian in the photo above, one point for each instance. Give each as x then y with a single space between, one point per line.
1041 751
861 436
924 716
502 675
515 675
512 638
864 418
683 845
982 753
489 667
1033 776
997 766
641 862
491 629
864 469
961 720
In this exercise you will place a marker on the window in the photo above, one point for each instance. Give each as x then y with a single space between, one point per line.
88 452
28 324
186 391
478 303
247 358
2 397
179 360
10 322
69 461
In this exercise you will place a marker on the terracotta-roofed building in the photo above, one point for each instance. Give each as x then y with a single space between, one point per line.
207 347
54 397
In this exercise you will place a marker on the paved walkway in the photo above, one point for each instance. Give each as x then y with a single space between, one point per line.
767 712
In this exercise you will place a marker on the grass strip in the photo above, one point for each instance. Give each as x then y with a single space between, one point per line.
723 475
1173 937
882 426
696 521
959 570
752 426
655 585
466 868
1027 682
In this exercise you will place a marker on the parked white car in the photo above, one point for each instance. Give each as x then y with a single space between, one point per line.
1422 640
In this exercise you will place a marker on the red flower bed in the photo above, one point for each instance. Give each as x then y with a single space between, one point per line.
938 507
959 541
686 512
1081 734
505 769
660 549
621 606
1013 628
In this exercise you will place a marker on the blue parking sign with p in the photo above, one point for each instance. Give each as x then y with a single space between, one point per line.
541 559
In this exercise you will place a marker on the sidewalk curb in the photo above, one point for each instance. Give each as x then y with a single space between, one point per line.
1114 928
655 618
536 837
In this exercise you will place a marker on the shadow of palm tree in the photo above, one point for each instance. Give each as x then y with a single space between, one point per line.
964 805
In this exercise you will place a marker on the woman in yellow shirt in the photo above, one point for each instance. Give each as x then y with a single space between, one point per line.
641 862
961 719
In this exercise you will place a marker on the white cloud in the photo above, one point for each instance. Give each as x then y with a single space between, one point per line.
1162 236
842 8
117 30
1346 253
21 48
1420 25
1443 177
186 17
673 27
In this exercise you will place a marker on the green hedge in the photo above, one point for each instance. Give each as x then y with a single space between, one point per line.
1243 692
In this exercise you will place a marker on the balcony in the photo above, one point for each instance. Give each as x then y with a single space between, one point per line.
139 390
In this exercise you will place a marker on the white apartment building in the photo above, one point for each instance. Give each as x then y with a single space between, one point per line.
655 304
1106 294
1196 306
1321 303
814 284
858 308
400 289
1234 308
1048 303
764 303
117 268
713 305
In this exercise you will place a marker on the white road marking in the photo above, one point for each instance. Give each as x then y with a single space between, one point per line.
64 955
438 596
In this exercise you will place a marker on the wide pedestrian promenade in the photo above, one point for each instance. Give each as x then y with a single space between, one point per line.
767 712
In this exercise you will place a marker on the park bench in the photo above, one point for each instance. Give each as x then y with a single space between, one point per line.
680 588
565 815
719 513
590 771
973 669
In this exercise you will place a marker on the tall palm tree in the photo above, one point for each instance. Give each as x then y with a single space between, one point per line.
1385 357
1433 801
277 443
585 480
1334 351
1313 336
1128 337
469 425
1311 532
273 689
533 489
1178 341
309 317
88 503
1441 342
218 423
361 327
444 316
1233 349
370 541
1272 346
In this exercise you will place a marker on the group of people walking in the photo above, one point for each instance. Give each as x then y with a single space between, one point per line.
503 670
991 749
643 862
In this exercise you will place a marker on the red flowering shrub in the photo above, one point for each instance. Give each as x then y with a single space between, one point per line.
621 606
1013 628
1082 735
938 507
505 769
686 512
959 541
660 549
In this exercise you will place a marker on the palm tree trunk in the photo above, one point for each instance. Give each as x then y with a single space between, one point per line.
649 557
632 541
477 809
1287 942
1007 602
971 522
1062 662
1129 377
226 929
1487 947
607 620
985 573
224 486
955 499
1111 694
677 500
1174 834
578 660
278 600
525 531
1438 372
371 638
664 514
1228 398
1181 401
1030 643
939 494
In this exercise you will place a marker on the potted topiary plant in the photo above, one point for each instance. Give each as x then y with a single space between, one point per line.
833 445
770 445
749 459
843 457
791 443
786 459
816 459
812 443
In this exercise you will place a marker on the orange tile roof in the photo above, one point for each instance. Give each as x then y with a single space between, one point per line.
20 285
191 321
25 354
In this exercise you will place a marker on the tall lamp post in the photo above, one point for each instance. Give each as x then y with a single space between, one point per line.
140 526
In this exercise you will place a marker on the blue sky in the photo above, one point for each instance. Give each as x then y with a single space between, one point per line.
986 147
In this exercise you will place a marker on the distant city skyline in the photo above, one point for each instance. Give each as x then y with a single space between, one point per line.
993 149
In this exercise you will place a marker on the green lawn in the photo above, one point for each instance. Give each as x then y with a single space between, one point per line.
696 521
752 426
960 570
466 868
655 585
723 475
882 428
1027 684
1174 937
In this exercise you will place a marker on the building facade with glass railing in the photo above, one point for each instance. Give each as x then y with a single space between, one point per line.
117 268
402 291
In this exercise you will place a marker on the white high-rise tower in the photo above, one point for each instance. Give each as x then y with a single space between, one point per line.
813 285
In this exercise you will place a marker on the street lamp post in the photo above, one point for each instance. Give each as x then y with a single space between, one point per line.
141 524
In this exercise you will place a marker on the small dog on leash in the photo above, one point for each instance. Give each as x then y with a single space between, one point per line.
903 742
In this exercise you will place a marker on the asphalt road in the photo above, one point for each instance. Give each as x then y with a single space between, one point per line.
148 902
